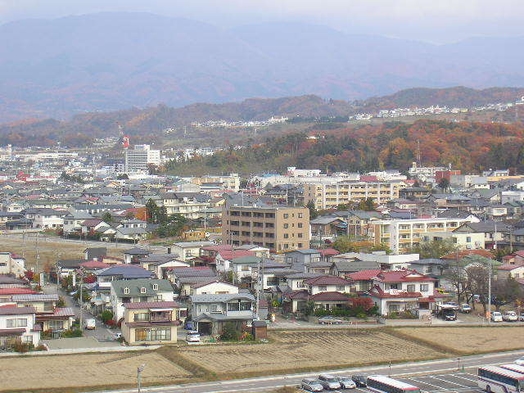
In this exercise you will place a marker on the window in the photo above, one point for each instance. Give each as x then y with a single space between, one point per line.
155 287
286 235
245 306
299 225
341 288
411 288
286 215
322 287
140 317
233 306
126 290
16 322
286 226
424 287
143 290
300 215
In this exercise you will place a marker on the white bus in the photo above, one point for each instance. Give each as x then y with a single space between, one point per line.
499 380
514 367
383 384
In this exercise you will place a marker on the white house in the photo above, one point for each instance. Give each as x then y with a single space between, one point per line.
18 323
404 290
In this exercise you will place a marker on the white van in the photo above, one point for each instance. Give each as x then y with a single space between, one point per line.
193 336
90 324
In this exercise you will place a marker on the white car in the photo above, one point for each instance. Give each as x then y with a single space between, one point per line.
496 316
193 336
510 316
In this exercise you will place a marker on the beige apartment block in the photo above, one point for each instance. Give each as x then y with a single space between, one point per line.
328 196
277 228
401 235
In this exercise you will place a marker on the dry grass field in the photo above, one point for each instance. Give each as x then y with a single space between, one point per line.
287 351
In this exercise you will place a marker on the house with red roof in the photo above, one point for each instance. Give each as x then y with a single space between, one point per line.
507 270
404 290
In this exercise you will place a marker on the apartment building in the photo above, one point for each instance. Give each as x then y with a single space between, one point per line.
330 195
401 235
277 228
137 159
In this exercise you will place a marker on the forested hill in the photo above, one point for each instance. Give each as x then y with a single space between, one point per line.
149 124
471 147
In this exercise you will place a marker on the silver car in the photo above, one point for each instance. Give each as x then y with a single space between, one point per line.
311 385
329 382
346 383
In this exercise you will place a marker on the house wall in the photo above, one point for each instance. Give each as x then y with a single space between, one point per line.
17 322
131 335
329 288
215 288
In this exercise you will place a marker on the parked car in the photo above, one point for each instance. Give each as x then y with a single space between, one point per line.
311 385
496 316
330 320
360 380
346 383
193 336
90 324
465 308
453 305
520 361
329 382
510 316
521 316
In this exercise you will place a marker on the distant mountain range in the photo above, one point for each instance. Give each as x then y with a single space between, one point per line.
113 61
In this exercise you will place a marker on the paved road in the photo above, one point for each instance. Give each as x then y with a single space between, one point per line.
439 376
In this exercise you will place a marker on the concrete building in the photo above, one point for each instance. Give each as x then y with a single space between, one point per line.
137 159
330 195
277 228
402 235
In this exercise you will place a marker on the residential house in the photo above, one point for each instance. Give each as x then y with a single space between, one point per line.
131 230
154 322
301 259
185 278
48 316
507 270
10 265
327 227
45 218
161 264
404 290
138 291
18 324
211 312
185 251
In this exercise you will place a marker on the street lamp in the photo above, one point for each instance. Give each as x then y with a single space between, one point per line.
139 370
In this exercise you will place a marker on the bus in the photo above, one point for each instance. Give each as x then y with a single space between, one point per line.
514 367
383 384
499 380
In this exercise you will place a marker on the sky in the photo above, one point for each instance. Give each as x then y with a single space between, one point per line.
437 21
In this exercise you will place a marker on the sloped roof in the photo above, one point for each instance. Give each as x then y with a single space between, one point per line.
221 297
327 280
135 287
393 276
329 296
126 271
364 275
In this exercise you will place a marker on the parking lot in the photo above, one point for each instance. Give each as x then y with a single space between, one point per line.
463 382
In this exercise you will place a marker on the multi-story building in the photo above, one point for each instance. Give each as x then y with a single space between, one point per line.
188 204
277 228
137 159
402 235
330 195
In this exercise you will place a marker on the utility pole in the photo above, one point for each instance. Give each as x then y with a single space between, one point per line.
139 370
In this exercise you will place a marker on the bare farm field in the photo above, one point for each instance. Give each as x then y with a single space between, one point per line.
468 340
287 351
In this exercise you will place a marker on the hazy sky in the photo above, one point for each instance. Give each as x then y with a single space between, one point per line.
436 21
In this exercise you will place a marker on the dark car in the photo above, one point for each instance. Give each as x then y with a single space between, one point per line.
360 380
